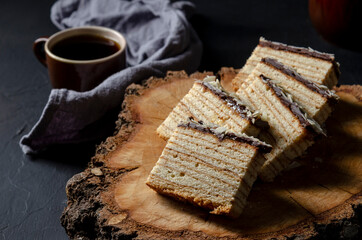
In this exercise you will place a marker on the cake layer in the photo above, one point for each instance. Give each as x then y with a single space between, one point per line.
208 167
316 100
318 67
208 102
291 132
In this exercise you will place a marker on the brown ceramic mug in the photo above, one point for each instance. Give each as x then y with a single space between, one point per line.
81 58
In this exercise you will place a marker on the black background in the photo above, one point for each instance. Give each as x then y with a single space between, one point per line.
32 189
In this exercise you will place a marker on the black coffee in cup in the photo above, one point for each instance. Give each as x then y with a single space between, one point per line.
81 58
85 47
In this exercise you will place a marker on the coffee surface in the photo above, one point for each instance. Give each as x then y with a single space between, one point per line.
85 47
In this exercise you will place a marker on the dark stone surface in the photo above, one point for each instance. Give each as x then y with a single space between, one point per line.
32 189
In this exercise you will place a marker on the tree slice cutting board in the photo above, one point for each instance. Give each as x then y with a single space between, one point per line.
318 195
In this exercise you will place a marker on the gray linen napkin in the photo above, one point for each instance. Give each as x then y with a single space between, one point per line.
159 39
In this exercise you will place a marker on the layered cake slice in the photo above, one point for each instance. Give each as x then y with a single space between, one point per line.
208 167
209 102
316 100
318 67
291 132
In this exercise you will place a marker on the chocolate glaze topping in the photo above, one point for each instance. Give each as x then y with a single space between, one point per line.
263 147
326 93
294 108
243 111
304 51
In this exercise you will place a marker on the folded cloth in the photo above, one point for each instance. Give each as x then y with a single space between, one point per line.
159 39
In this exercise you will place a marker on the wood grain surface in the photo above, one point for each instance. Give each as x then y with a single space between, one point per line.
319 194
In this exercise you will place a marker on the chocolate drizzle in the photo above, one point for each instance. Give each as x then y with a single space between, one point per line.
326 93
294 108
221 135
242 110
303 51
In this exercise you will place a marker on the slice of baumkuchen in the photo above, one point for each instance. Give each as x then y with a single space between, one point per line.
316 100
318 67
208 167
290 133
209 102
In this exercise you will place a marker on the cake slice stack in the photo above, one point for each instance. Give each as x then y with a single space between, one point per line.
316 100
212 160
291 132
208 102
318 67
208 166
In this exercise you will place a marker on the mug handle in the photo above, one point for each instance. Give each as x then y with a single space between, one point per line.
39 51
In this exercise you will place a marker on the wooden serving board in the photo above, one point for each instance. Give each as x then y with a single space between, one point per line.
319 195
